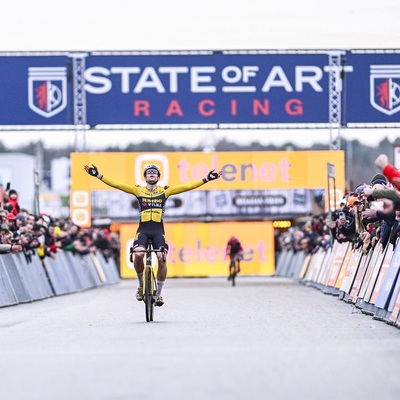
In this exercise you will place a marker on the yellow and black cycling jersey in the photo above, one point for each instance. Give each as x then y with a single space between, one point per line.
151 203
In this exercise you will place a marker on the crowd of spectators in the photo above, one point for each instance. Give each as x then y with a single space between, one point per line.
368 215
22 231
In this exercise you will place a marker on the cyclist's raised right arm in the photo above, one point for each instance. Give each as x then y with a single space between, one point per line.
119 185
93 171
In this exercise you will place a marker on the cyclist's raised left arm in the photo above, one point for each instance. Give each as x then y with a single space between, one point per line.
212 175
183 188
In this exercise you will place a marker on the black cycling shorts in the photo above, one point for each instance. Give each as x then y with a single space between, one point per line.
156 235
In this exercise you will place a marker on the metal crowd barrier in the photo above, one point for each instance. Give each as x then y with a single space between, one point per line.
25 279
370 282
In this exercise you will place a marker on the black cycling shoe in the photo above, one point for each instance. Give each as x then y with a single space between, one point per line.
159 301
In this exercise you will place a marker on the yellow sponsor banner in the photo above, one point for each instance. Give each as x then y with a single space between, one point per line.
241 170
198 249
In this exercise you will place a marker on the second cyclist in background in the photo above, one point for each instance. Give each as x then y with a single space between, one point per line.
234 250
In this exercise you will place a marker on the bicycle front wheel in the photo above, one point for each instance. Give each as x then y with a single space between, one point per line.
148 295
233 273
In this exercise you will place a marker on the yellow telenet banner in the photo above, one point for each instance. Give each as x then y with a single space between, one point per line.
198 249
241 170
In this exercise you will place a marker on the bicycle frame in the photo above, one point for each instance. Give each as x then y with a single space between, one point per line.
234 268
149 278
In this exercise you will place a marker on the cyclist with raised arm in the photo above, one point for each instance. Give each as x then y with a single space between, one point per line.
151 200
234 249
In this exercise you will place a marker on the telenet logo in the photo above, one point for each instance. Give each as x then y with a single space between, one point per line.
237 170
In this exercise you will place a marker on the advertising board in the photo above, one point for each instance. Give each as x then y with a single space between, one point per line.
198 249
209 89
372 89
277 181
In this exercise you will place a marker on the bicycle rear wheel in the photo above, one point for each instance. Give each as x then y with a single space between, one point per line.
148 295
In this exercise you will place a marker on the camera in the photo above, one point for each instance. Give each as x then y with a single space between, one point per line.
334 215
342 215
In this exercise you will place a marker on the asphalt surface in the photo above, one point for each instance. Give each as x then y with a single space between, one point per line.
268 337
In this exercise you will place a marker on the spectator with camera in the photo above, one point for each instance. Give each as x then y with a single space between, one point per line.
383 202
345 224
390 197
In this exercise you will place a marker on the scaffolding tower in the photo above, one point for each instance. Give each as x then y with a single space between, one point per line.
78 64
335 92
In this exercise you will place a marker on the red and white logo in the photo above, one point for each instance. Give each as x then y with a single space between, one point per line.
47 90
385 88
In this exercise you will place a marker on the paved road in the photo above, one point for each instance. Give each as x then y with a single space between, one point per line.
268 338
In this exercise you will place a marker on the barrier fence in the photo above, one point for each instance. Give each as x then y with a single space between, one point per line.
25 280
369 282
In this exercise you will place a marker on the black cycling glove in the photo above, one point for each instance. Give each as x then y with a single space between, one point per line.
211 176
93 171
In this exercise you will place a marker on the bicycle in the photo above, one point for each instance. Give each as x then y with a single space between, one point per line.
234 268
149 279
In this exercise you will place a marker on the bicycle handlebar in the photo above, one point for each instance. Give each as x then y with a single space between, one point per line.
161 249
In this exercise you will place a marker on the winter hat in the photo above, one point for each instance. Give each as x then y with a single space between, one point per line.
378 178
4 227
352 201
11 217
359 189
20 216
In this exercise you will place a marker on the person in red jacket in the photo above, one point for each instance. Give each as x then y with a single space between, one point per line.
13 199
389 170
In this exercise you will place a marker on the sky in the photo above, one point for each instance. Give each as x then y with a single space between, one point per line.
81 25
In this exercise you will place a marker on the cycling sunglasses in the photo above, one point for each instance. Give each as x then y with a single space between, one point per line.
151 171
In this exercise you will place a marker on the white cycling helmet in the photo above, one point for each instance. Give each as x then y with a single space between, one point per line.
149 167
